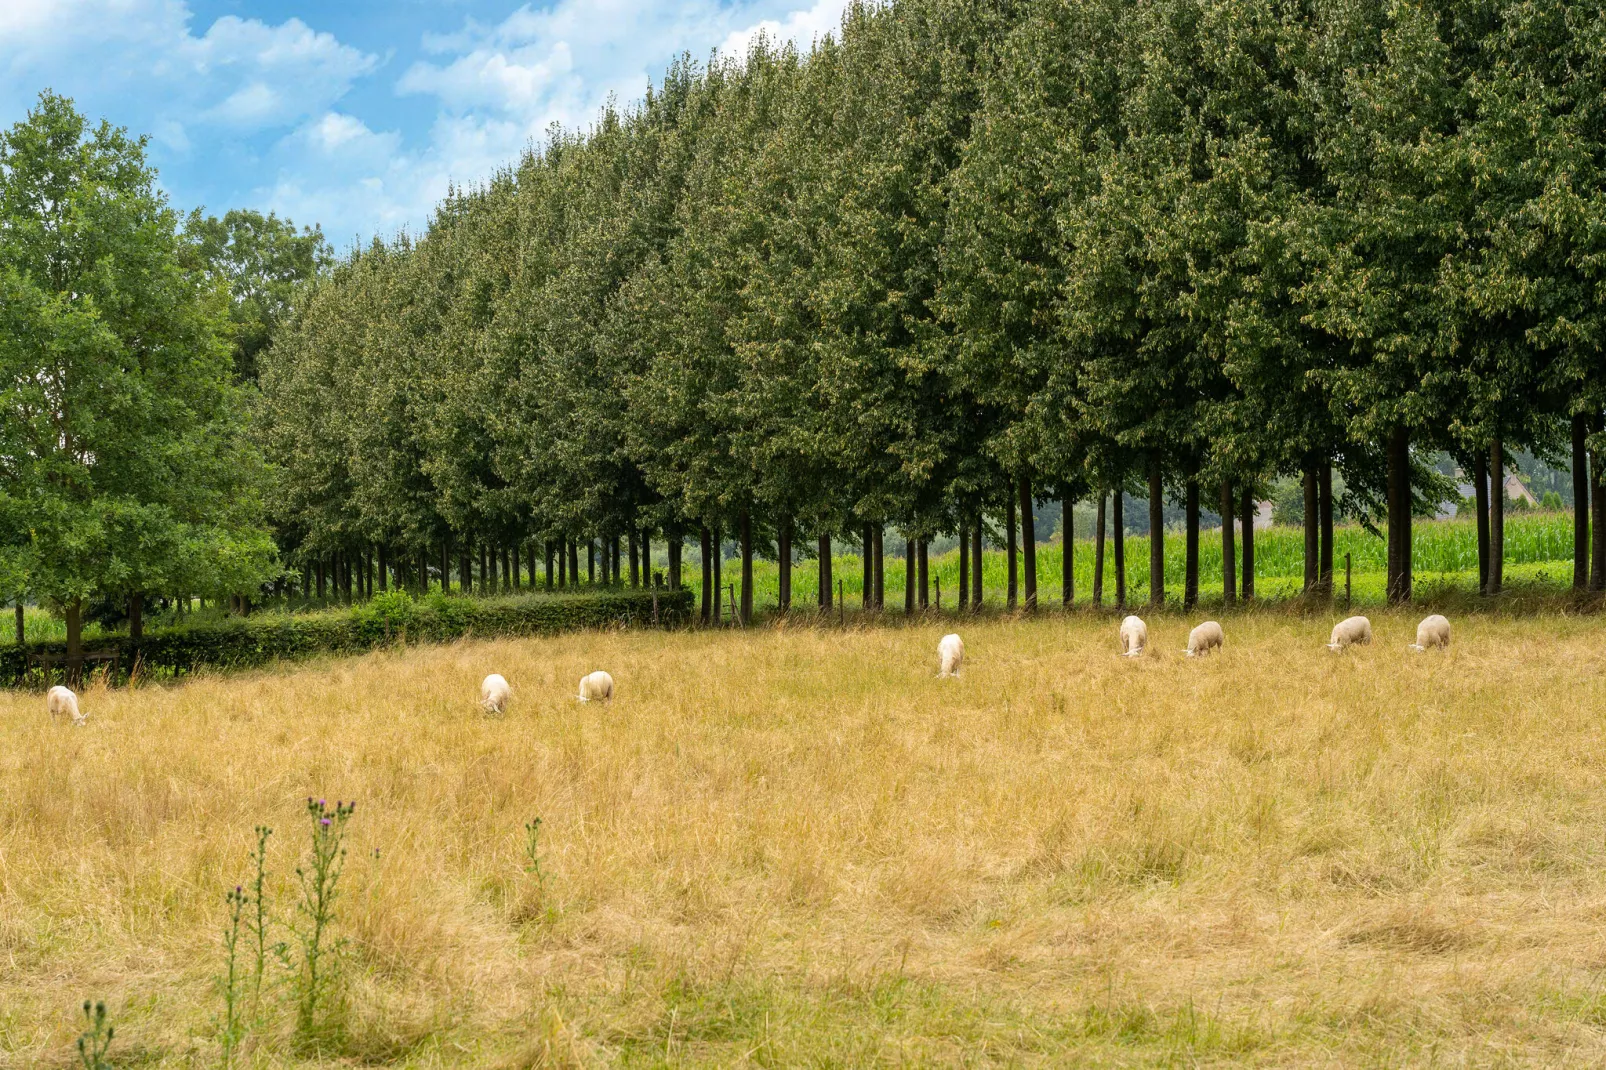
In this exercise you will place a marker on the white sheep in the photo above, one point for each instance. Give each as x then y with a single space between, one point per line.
60 701
494 693
1134 637
1205 638
1349 631
1433 631
597 685
950 653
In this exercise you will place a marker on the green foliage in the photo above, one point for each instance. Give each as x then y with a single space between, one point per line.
262 261
127 464
242 643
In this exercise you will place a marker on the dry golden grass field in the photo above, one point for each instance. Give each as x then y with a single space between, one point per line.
792 847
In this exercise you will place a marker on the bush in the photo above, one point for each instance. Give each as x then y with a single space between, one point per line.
390 617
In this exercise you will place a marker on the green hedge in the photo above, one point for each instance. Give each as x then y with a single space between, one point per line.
389 618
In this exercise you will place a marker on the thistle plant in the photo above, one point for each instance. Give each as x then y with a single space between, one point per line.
95 1039
319 880
246 920
257 923
232 1029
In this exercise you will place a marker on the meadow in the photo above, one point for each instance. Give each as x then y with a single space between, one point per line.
793 845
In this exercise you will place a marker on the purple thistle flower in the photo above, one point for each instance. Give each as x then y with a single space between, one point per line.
324 822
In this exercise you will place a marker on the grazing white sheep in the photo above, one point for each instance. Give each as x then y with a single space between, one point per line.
61 702
494 693
950 653
1205 638
1349 631
597 685
1433 631
1134 637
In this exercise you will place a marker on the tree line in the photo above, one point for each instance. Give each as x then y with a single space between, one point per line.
964 256
969 254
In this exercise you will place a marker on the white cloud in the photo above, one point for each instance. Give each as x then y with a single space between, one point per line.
334 132
243 73
267 103
801 28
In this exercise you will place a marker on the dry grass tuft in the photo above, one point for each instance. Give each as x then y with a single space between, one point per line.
791 845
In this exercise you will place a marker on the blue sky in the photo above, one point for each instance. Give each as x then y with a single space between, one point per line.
356 114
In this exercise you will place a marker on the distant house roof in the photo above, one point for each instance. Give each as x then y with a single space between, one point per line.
1516 490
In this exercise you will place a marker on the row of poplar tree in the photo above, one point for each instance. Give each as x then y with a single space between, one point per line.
966 255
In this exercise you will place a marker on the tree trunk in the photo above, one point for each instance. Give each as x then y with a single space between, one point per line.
320 579
516 572
549 577
1028 542
1098 551
1246 521
977 558
574 562
1067 552
611 551
719 561
708 574
1597 516
1011 569
22 625
1480 498
783 566
827 595
635 560
1324 565
507 571
75 628
747 565
1399 494
1580 501
964 568
1313 546
1190 553
1119 523
1497 516
868 578
676 551
1156 533
909 577
1229 549
136 615
880 566
925 584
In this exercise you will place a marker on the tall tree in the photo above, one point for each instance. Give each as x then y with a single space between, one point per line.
125 468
